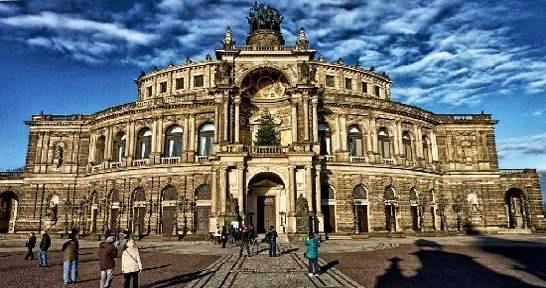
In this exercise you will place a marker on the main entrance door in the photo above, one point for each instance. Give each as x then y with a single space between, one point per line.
266 213
6 210
203 213
361 212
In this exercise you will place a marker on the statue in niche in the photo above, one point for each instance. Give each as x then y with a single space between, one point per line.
52 208
58 155
302 214
224 73
307 73
472 199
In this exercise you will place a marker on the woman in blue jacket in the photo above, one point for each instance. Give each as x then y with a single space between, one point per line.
312 244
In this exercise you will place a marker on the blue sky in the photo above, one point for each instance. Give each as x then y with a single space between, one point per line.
447 56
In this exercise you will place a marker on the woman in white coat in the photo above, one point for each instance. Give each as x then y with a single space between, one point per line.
130 264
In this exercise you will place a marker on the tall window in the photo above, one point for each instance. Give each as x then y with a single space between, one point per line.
144 143
348 83
179 83
330 81
119 147
173 141
206 139
425 149
99 149
354 141
149 89
406 143
365 87
325 139
198 81
377 91
384 143
163 87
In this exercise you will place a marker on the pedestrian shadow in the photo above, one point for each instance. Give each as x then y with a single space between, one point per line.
177 280
519 252
328 266
119 273
440 268
288 251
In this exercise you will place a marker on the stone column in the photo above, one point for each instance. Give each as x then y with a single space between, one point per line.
419 142
434 145
223 190
373 136
240 190
155 131
130 142
291 196
318 201
338 133
343 130
92 148
217 102
309 186
294 122
314 102
213 193
237 123
192 133
225 131
398 139
306 117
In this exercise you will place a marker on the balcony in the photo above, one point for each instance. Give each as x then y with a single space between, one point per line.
516 171
233 148
115 165
328 158
358 159
11 175
261 151
389 161
170 160
201 159
141 162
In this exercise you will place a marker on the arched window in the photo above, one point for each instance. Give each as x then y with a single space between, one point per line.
384 142
99 149
327 192
119 147
406 143
426 156
325 139
389 194
414 196
354 140
359 192
206 139
173 141
144 143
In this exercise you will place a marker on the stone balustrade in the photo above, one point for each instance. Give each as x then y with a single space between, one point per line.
170 160
141 162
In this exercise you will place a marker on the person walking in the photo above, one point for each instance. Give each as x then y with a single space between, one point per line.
44 246
244 241
312 244
131 265
70 259
107 253
30 244
271 237
224 236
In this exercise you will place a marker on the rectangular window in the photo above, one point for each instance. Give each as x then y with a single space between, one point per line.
377 91
330 81
163 87
348 83
365 87
179 83
149 91
198 81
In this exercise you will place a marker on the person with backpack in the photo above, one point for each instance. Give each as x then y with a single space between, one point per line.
44 246
271 238
30 244
131 265
107 254
70 259
312 244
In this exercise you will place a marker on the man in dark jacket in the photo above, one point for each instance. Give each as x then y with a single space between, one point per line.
44 246
224 236
70 259
107 253
271 237
30 244
244 241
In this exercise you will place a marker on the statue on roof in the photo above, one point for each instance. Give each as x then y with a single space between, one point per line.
264 17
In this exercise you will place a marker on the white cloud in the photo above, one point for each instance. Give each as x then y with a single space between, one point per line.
531 145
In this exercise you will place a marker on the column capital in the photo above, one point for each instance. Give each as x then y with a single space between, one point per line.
314 101
223 167
237 99
291 167
240 167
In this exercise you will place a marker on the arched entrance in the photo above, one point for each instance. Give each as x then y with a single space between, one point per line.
138 205
114 210
168 211
390 201
8 211
516 205
203 207
360 209
266 202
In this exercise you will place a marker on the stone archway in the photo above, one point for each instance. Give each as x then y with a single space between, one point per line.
516 206
266 202
8 211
